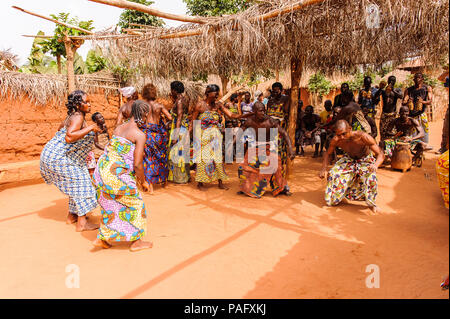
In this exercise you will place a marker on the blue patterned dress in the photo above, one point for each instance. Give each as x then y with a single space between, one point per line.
64 165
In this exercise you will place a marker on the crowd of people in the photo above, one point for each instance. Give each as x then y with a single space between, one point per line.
151 145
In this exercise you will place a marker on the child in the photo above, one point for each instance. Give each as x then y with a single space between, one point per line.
100 142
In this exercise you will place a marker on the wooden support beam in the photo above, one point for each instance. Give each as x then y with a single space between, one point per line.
295 7
277 12
86 37
54 20
146 9
296 75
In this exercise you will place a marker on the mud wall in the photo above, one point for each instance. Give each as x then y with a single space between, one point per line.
25 127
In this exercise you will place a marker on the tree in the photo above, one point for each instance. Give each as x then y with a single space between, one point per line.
133 16
206 8
56 45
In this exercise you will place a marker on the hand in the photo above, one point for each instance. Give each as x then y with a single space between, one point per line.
96 129
308 134
145 186
323 173
407 139
373 168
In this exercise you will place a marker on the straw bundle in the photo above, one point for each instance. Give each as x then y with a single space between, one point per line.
329 35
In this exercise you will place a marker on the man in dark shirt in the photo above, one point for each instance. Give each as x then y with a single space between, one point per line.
390 96
310 125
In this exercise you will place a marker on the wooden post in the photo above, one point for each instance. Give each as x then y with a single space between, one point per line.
224 81
296 75
71 47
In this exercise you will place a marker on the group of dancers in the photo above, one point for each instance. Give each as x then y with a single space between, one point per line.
151 145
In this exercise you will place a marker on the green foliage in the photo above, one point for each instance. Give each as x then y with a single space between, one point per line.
318 84
122 72
253 78
216 7
428 80
79 67
384 71
60 30
358 79
202 76
132 16
95 61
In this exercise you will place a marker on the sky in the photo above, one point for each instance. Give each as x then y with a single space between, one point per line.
14 23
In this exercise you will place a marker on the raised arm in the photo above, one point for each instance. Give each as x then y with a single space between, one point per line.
166 113
75 131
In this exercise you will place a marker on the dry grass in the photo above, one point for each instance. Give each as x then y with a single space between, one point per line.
43 89
329 36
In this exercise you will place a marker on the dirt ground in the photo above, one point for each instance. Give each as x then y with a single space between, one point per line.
217 244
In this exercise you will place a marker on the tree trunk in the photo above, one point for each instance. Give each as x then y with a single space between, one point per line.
58 62
277 76
296 74
225 81
69 64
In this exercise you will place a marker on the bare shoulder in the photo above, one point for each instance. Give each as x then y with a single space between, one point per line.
366 138
414 121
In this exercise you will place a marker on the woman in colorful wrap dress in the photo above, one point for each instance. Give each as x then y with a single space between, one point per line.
124 216
155 151
63 160
179 140
208 138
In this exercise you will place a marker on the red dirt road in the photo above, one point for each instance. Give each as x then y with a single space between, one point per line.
217 244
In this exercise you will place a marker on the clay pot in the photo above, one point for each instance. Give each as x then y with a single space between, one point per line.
401 157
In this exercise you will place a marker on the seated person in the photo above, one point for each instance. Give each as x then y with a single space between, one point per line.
310 126
408 131
262 167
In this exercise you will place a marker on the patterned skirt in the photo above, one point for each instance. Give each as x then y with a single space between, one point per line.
155 154
255 184
442 174
124 216
210 166
351 179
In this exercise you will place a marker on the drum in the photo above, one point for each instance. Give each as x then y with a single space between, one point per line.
401 157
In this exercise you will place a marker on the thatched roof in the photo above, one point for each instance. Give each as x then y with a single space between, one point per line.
8 60
45 88
328 35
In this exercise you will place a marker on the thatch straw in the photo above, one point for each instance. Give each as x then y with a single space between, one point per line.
329 36
8 60
44 89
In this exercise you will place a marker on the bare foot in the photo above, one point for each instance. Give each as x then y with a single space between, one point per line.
150 189
71 219
375 210
84 225
140 245
201 187
101 243
164 185
222 186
